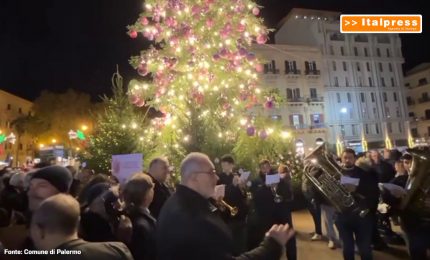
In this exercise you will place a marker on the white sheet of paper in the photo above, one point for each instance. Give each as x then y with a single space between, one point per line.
394 189
273 179
244 176
219 191
125 165
349 180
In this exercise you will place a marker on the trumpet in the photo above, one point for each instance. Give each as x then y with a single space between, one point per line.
233 210
277 198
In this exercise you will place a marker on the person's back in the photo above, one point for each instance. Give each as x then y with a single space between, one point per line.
186 217
54 226
83 250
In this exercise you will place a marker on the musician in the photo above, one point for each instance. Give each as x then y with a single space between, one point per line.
159 171
190 229
350 224
415 225
266 212
235 196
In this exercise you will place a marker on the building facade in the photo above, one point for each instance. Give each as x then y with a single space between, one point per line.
295 72
11 108
361 76
417 83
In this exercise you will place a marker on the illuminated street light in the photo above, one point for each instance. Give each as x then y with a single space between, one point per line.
54 141
41 145
84 127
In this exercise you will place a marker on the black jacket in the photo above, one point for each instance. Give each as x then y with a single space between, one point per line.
161 194
189 229
384 170
367 192
234 197
95 228
90 251
142 244
266 211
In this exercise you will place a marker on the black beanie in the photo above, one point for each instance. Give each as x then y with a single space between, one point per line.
57 176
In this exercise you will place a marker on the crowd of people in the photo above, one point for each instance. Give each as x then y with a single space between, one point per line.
83 215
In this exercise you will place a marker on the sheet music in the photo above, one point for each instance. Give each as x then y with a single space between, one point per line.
349 180
273 179
244 177
394 189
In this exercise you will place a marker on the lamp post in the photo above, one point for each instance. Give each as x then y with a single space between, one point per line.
343 111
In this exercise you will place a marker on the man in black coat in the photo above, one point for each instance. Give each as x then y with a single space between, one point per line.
350 224
235 196
384 170
54 226
159 170
266 211
190 229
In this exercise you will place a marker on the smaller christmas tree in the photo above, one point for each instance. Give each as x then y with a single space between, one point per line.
120 129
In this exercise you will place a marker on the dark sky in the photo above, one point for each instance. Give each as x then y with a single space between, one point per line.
58 44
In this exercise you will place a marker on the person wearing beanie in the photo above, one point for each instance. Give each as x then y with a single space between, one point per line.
47 182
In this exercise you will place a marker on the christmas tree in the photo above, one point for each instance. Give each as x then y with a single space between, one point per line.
119 129
201 74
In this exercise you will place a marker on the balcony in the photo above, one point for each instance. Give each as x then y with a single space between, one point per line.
361 38
423 100
271 71
315 99
410 102
296 99
293 72
312 72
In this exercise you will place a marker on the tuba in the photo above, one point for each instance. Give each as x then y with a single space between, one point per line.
327 181
417 198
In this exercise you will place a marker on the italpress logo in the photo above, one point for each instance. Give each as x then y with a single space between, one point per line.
357 23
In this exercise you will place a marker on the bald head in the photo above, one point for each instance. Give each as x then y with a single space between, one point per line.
58 214
159 169
192 163
198 174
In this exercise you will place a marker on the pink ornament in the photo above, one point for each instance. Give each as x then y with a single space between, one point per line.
259 67
269 104
133 34
224 53
210 22
171 22
142 70
195 10
133 99
241 27
255 11
243 52
262 39
226 106
250 131
144 21
263 134
140 103
216 57
250 56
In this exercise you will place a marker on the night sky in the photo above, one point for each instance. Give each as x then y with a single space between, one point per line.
57 44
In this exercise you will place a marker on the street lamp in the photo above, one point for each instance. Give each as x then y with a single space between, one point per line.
84 127
54 141
343 111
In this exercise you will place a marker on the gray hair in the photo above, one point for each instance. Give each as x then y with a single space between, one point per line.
192 163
